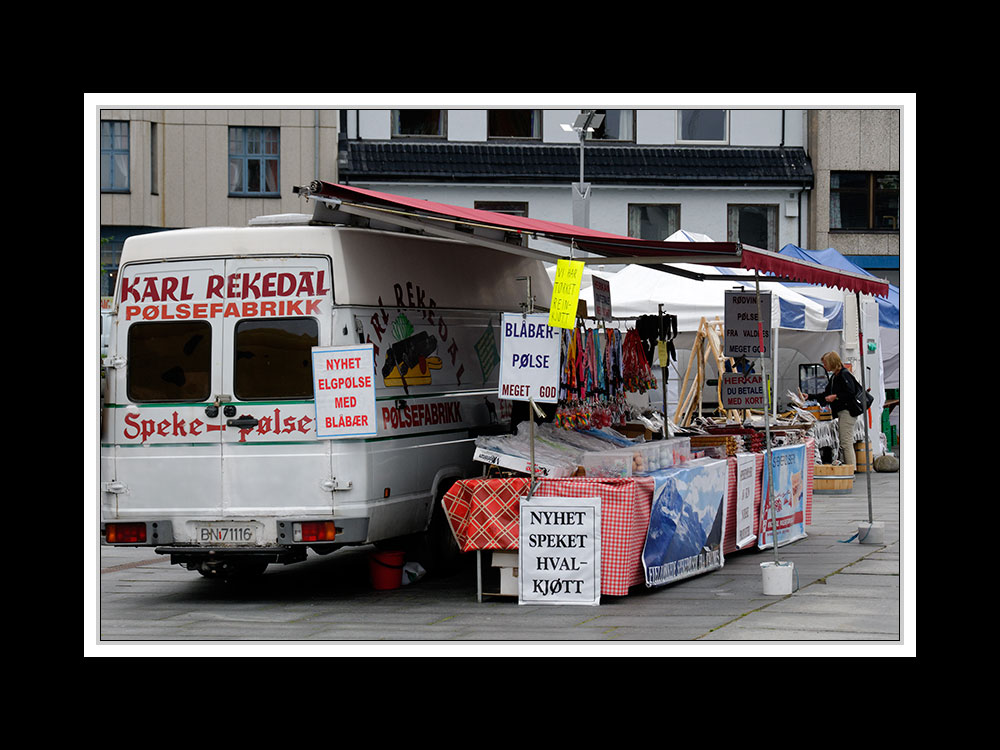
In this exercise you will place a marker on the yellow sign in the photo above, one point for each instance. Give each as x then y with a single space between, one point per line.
565 293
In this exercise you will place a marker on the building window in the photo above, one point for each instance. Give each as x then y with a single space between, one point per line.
274 359
513 208
254 161
618 125
418 122
867 201
114 156
653 221
111 253
703 126
756 226
169 361
514 123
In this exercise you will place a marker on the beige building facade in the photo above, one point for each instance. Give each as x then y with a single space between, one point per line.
179 164
174 168
859 148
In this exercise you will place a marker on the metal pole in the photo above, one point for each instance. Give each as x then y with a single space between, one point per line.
663 377
774 363
531 409
864 414
767 425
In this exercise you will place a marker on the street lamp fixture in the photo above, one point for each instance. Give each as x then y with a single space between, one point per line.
587 122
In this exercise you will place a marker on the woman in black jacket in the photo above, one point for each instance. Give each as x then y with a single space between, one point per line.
841 394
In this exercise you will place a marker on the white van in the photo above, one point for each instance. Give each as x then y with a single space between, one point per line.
209 448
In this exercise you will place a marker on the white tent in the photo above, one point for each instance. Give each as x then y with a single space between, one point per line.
636 290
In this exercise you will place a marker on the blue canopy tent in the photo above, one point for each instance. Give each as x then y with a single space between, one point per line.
888 308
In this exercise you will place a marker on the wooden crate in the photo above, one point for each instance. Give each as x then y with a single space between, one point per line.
833 479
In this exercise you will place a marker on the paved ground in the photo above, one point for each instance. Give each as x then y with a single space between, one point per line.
847 594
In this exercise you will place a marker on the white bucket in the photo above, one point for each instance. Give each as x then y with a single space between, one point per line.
778 577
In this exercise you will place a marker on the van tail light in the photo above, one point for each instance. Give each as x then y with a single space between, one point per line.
125 533
314 531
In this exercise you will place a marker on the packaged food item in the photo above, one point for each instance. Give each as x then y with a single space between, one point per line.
612 463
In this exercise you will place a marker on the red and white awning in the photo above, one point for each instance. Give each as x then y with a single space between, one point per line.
443 219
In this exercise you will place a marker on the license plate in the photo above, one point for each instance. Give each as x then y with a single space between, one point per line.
226 533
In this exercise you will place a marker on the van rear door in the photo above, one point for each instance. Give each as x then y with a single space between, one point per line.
217 418
272 462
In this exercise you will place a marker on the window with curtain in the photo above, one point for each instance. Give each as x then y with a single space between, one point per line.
703 125
114 156
653 221
754 225
618 125
418 122
514 208
866 201
254 161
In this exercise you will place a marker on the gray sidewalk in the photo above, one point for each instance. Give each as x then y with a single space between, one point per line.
847 593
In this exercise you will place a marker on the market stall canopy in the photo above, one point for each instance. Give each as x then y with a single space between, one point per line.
796 311
636 290
493 229
888 307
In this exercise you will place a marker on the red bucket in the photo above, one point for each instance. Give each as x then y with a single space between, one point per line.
386 569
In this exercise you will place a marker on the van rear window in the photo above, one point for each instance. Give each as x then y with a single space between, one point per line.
274 358
169 361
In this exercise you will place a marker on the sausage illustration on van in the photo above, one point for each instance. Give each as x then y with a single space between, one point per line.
409 361
211 452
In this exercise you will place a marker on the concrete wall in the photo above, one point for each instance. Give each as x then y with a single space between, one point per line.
852 140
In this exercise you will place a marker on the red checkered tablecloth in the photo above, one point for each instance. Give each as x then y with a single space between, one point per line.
810 472
729 539
484 514
625 507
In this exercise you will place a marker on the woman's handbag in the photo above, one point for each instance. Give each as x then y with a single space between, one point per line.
863 398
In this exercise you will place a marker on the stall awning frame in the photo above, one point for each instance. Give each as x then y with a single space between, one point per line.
510 234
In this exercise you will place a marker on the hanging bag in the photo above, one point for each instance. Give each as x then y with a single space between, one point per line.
865 398
862 398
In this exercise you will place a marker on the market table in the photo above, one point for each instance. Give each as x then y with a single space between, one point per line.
484 514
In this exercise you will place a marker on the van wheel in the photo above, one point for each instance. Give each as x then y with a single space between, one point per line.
436 549
444 554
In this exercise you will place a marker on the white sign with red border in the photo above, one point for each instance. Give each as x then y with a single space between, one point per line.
602 298
344 387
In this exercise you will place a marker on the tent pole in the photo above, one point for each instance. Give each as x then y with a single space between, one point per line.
767 423
528 308
774 362
869 454
663 377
